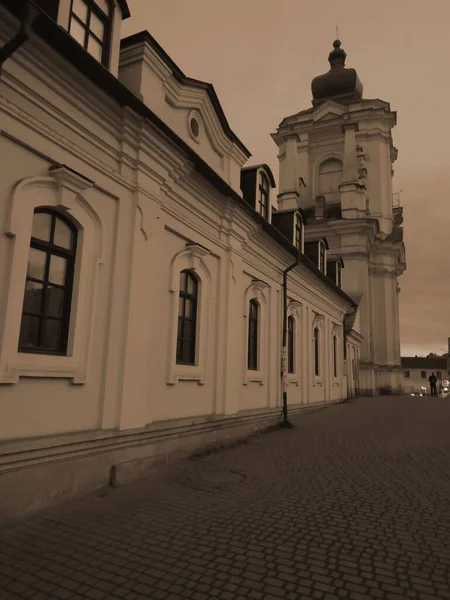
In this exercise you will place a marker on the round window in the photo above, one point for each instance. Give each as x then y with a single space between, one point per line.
195 127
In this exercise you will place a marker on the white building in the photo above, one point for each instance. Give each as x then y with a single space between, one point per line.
417 370
336 165
141 267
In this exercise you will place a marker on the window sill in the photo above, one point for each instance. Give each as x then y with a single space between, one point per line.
253 377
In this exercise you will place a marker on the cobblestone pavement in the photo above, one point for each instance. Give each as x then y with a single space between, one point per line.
351 503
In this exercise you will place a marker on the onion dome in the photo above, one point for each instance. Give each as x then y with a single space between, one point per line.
340 84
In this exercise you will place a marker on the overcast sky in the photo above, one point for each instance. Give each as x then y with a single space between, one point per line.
261 56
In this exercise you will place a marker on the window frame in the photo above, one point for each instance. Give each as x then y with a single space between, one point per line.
291 345
253 338
316 351
52 249
263 199
298 232
194 298
92 7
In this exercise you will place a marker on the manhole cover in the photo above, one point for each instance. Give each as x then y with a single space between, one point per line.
222 477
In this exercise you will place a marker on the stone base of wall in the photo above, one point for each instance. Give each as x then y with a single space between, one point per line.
42 472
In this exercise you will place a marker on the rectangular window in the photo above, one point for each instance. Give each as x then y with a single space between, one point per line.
407 374
316 352
291 344
439 374
89 25
187 319
335 356
423 374
253 321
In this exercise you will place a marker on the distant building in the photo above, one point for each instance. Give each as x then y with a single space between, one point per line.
417 369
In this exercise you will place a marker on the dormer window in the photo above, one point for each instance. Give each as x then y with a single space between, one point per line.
90 22
263 197
298 232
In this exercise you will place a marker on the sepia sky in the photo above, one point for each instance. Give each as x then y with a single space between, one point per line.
261 56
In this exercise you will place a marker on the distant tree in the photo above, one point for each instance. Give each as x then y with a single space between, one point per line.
432 355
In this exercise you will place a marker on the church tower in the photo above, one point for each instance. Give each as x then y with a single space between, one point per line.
335 163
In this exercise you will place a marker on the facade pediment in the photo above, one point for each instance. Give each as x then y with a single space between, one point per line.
328 112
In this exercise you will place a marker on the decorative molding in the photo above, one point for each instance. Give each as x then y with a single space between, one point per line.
64 190
192 258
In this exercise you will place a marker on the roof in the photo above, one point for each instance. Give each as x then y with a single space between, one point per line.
124 8
145 36
425 363
266 168
60 40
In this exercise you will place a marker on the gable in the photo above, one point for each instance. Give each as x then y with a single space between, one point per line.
328 111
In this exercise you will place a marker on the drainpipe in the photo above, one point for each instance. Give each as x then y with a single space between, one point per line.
347 328
28 15
284 366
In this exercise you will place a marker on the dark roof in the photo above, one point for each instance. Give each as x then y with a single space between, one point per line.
422 362
124 8
60 40
340 84
266 168
145 36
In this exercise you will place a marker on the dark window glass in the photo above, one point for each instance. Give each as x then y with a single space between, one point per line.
407 374
335 356
253 324
322 257
298 232
263 199
187 318
90 22
48 286
291 344
316 351
423 374
439 374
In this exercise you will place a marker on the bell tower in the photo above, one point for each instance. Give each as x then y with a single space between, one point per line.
335 162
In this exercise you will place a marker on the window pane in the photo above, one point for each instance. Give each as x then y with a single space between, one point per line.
58 266
181 306
187 352
29 332
95 48
50 334
188 333
42 223
63 234
33 297
180 328
81 10
54 302
97 27
36 263
103 5
183 278
77 31
191 285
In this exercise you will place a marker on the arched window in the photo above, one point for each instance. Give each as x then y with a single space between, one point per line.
322 256
48 288
263 200
90 25
187 318
291 344
253 325
335 350
298 232
330 178
316 351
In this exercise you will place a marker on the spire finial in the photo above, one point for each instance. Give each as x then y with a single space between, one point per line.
337 32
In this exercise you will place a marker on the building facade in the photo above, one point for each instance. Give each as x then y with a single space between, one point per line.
336 165
417 370
142 268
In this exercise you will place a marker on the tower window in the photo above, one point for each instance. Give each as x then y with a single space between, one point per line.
48 288
263 198
298 232
90 25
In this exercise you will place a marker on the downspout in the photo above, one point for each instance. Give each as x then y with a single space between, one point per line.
284 366
347 327
21 36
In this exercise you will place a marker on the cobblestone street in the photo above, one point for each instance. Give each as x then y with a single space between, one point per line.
354 502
